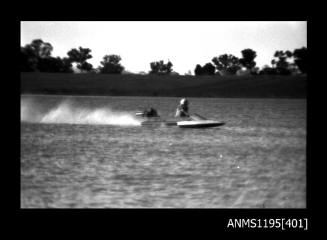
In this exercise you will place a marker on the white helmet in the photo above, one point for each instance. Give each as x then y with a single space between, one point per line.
184 101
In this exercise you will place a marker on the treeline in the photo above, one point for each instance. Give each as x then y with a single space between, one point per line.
36 56
228 64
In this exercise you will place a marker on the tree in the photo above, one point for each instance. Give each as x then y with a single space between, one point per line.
267 70
85 66
111 65
48 65
80 56
188 73
161 67
207 69
155 67
168 67
248 58
227 63
300 58
28 60
36 56
282 65
52 64
198 70
40 49
32 53
66 65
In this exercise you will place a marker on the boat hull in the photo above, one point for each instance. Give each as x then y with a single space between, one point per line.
199 124
158 122
194 121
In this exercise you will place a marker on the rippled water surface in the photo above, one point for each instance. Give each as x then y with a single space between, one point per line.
91 152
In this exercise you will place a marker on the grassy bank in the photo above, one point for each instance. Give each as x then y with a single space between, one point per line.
177 86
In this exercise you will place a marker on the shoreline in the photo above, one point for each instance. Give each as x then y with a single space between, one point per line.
125 96
101 85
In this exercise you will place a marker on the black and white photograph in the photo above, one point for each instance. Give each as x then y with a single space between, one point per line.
163 114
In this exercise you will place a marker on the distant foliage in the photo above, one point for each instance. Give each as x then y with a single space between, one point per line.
80 56
227 64
281 64
198 70
85 66
37 57
28 60
54 65
40 49
67 66
248 58
32 53
173 73
207 69
111 65
300 59
160 67
267 70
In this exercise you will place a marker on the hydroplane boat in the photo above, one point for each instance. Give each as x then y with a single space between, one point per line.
151 118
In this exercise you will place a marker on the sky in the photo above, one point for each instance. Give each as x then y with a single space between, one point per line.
184 43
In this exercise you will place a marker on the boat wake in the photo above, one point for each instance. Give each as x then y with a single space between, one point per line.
66 113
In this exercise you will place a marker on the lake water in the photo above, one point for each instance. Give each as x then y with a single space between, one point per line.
91 152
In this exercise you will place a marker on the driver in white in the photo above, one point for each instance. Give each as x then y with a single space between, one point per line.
182 109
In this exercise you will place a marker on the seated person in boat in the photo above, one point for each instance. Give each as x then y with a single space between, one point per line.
152 113
182 109
148 113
